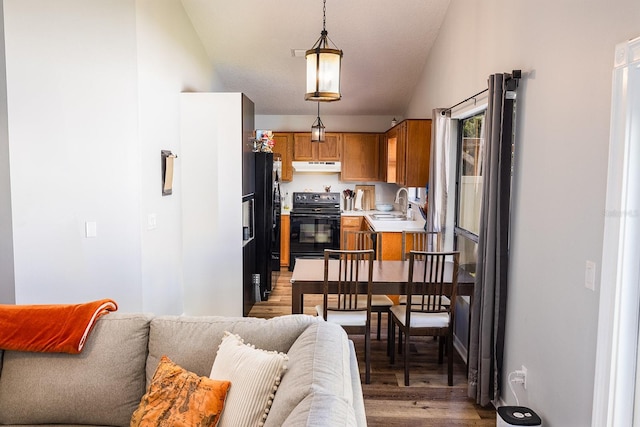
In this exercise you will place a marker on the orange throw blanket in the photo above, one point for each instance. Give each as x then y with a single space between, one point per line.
61 328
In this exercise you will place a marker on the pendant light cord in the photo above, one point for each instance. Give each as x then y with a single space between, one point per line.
324 15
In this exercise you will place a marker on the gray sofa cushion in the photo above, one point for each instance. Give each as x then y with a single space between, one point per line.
358 398
102 385
320 409
168 335
319 362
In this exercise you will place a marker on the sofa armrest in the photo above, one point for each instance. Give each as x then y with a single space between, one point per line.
358 398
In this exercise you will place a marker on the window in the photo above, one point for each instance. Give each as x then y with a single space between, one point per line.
469 189
616 400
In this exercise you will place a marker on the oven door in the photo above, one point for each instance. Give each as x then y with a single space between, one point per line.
311 234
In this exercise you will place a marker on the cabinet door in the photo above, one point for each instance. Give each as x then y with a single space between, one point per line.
305 150
360 157
418 153
285 230
392 246
329 150
349 223
284 147
408 149
383 158
302 147
392 154
401 171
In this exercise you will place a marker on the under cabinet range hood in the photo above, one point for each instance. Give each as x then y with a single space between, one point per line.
330 167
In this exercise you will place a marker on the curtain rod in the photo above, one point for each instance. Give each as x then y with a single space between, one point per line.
515 74
443 112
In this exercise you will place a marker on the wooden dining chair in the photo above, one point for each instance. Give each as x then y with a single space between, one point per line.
352 272
425 241
361 240
427 315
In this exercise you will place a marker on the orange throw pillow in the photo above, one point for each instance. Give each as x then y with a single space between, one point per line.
179 398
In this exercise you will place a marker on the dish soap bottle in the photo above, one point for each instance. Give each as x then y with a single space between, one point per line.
286 201
410 213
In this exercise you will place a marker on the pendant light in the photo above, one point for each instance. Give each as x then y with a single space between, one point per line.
323 67
317 129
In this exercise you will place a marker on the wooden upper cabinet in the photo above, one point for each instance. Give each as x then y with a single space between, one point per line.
418 153
284 147
305 150
408 146
391 148
361 157
401 177
302 147
330 149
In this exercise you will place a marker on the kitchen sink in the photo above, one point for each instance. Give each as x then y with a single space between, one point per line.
388 217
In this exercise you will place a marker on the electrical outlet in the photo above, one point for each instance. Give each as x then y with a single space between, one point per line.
524 376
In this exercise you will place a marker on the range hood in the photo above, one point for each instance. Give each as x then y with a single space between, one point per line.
331 167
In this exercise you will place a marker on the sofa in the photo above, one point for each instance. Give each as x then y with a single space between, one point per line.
104 384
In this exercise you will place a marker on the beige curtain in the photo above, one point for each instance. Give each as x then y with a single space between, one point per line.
439 170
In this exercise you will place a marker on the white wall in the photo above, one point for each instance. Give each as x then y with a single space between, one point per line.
171 60
7 288
93 92
72 108
566 51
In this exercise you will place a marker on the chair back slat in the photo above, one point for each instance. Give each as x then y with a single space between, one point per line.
363 240
428 277
424 241
352 270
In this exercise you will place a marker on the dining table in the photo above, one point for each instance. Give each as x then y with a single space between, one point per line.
389 278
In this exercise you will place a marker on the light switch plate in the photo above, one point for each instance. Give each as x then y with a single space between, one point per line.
90 229
590 275
152 222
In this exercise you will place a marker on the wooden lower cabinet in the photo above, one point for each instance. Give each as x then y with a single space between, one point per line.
392 246
285 229
349 223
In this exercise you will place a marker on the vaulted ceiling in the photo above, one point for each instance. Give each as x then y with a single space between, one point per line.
385 44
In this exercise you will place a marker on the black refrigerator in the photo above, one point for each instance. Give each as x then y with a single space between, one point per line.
267 218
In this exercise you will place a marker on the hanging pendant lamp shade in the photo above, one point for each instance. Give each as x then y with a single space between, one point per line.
323 68
317 129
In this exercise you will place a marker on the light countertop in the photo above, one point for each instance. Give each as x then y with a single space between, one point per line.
384 226
387 226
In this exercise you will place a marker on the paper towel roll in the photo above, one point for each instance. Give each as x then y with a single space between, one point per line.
358 204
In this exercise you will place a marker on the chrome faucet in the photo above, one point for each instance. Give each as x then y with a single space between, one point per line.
406 199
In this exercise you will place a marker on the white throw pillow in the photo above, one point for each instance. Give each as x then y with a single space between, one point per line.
254 374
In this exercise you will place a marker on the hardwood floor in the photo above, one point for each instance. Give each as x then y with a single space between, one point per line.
428 401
